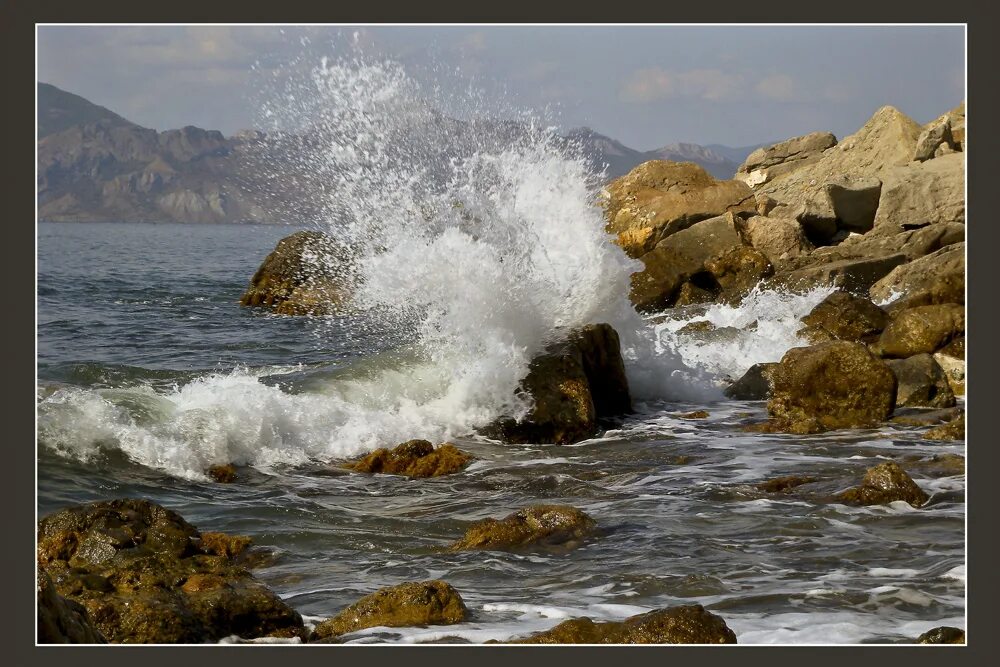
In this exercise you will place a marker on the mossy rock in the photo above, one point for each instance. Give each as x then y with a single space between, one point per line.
883 484
921 382
62 621
953 430
757 384
546 525
690 624
942 635
923 329
844 316
413 458
784 484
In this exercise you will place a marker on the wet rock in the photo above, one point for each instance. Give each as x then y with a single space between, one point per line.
689 294
784 484
406 605
833 385
128 562
573 384
659 198
932 279
921 382
933 136
953 430
939 465
883 484
414 458
737 271
697 414
227 546
777 238
755 385
923 329
697 327
942 635
689 624
547 525
224 474
954 349
62 621
855 274
924 417
847 317
307 273
922 193
954 370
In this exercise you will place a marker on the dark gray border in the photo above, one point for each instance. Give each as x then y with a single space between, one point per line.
17 43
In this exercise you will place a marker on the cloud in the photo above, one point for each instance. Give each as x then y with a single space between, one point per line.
655 83
780 87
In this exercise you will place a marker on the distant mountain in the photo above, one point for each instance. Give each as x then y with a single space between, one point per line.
59 110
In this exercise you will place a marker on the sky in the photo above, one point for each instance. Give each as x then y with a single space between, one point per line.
646 86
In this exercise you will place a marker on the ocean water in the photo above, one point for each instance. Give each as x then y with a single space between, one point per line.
469 261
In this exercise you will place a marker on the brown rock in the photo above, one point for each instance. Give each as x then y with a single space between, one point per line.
854 201
883 484
851 275
777 238
224 474
697 414
954 370
942 635
924 329
757 384
737 271
847 317
932 279
933 137
953 430
690 624
921 382
62 621
406 605
784 484
765 164
922 193
534 525
690 294
227 546
414 458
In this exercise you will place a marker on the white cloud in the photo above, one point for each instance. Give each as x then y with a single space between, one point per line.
780 87
655 83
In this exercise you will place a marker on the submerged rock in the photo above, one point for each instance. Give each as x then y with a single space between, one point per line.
224 474
689 624
953 430
833 385
697 414
844 316
757 384
145 575
921 382
62 621
547 525
923 329
784 484
406 605
414 458
942 635
883 484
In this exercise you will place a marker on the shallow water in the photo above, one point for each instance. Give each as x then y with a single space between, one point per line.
149 371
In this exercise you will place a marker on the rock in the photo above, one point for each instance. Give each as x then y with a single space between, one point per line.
883 484
765 164
921 382
307 273
953 430
954 349
935 278
737 271
406 605
833 385
922 193
690 624
224 474
850 275
679 257
777 238
817 218
145 575
755 385
690 294
847 317
932 138
855 201
924 417
942 635
62 621
414 458
697 414
573 384
954 370
659 198
547 525
956 119
784 484
940 465
764 204
698 326
922 329
222 544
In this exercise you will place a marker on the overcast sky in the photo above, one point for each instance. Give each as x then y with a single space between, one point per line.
645 86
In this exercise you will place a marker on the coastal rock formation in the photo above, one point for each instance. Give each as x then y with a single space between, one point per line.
844 316
953 430
573 384
954 370
307 273
784 484
659 198
839 384
883 484
777 238
410 604
62 621
144 575
689 624
934 140
537 525
764 164
932 279
923 329
737 271
942 635
755 385
921 194
921 382
413 458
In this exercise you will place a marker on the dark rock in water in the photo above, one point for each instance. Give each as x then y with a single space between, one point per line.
939 465
308 273
923 417
535 525
829 386
738 271
922 329
921 382
689 293
410 604
847 317
227 546
953 430
784 484
62 621
224 474
942 635
697 414
755 385
883 484
573 384
145 575
689 624
414 458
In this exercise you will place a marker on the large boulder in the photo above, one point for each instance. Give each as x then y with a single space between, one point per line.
413 458
737 271
690 624
853 274
921 382
765 164
659 198
934 140
62 621
537 525
932 279
145 576
922 329
680 256
755 385
406 605
573 384
834 385
777 238
883 484
307 273
844 316
954 370
921 194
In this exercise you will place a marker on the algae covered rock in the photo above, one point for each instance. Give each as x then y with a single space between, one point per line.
689 624
737 271
942 635
546 525
834 385
756 384
936 278
224 474
414 458
921 382
923 329
784 484
145 575
62 621
406 605
883 484
845 316
953 430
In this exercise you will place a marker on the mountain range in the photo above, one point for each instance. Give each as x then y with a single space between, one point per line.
96 166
